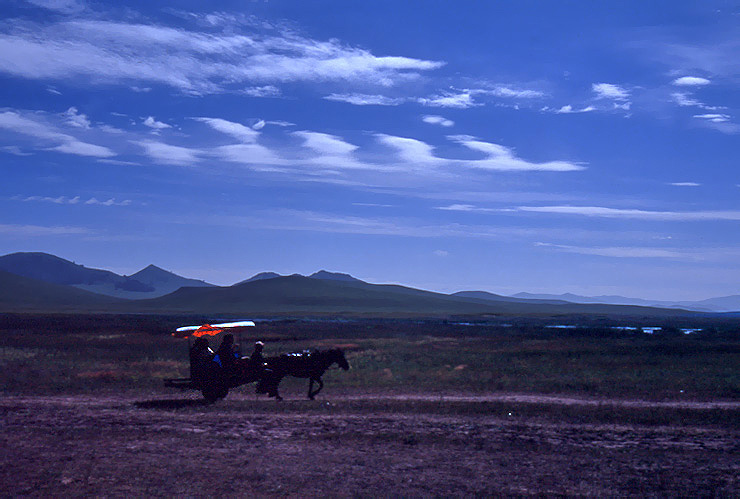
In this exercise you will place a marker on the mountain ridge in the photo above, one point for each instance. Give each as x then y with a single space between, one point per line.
301 295
19 294
149 282
320 289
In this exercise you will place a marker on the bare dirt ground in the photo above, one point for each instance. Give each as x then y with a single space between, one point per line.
366 445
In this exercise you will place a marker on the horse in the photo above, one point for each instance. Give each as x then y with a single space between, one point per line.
306 364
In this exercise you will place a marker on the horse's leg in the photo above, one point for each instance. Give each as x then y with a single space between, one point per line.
310 388
311 394
274 388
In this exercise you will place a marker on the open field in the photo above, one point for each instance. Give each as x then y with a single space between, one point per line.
427 409
153 444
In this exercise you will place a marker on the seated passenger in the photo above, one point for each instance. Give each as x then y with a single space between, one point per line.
225 354
200 355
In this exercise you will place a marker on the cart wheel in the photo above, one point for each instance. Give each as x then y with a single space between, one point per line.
214 392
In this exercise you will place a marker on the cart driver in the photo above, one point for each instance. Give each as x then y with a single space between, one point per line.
256 359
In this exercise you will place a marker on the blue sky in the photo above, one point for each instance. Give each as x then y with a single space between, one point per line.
586 147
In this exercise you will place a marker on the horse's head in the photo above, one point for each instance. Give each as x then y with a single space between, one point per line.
337 355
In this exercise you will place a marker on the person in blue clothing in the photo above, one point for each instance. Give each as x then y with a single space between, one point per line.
226 356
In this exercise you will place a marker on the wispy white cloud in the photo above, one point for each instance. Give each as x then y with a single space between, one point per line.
110 129
437 120
618 251
723 126
415 152
279 123
15 150
157 125
33 126
74 200
47 199
610 91
253 155
109 202
470 97
719 121
169 154
75 118
374 205
324 222
713 56
685 184
83 149
118 162
325 144
263 91
691 81
240 132
460 99
365 99
568 109
196 62
501 158
504 91
685 100
467 208
441 253
62 6
15 122
714 117
41 230
603 212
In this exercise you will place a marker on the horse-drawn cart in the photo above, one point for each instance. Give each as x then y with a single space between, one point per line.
213 374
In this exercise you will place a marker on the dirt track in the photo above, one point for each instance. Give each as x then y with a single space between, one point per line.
359 445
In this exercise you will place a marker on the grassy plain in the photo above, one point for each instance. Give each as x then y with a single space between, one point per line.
428 409
68 354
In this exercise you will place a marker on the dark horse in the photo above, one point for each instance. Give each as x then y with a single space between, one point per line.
306 364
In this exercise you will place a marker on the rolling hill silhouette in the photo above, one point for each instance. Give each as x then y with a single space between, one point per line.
149 282
43 282
164 282
299 295
20 294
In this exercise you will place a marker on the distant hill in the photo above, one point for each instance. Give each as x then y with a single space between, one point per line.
333 276
299 295
260 277
573 298
55 270
23 294
721 304
486 296
321 274
147 283
164 282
